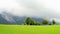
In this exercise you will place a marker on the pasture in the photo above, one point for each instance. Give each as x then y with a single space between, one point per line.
27 29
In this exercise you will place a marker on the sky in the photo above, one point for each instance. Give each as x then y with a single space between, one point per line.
39 8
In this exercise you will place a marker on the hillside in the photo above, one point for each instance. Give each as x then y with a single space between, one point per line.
7 18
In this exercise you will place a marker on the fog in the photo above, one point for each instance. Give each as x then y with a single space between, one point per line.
38 8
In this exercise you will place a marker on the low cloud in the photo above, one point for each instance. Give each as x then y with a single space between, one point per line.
39 8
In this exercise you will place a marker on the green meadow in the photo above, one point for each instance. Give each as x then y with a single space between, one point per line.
27 29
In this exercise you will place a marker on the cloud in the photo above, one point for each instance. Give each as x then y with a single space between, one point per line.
39 8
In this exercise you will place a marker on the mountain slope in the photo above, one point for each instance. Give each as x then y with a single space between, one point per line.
7 18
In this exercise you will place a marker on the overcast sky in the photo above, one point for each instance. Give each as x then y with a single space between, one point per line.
39 8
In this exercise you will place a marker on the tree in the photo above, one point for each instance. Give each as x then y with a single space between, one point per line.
44 22
50 24
53 21
29 21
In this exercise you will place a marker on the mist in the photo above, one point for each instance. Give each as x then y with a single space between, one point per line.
38 8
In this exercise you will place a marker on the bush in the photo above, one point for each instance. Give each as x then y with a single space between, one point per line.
29 21
53 21
44 22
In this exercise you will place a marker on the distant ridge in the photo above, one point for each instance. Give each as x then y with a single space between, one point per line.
7 18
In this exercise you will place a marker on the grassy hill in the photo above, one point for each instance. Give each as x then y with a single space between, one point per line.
24 29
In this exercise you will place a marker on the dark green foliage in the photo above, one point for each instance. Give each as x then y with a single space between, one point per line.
53 21
36 23
50 24
29 21
44 22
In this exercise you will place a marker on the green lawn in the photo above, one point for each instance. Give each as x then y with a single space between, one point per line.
24 29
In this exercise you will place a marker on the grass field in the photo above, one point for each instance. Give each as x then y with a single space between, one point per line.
24 29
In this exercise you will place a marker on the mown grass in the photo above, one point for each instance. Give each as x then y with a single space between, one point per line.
24 29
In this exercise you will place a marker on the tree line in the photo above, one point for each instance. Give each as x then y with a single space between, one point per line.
30 21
